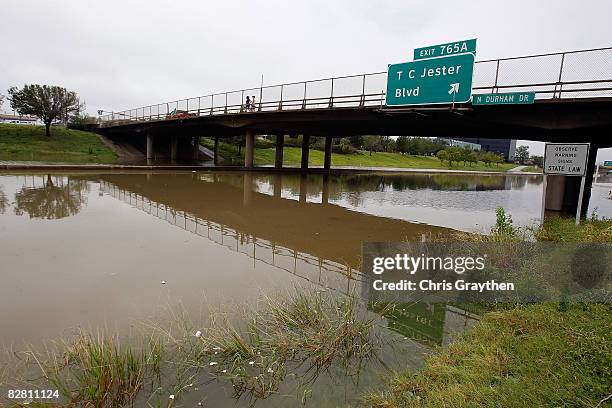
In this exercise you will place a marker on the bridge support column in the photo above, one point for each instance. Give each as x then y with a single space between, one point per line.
196 147
216 151
280 146
305 151
149 147
249 149
588 181
173 147
328 154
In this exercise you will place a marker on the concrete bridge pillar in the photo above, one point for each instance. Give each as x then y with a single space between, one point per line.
328 154
216 151
588 181
280 145
196 147
149 147
249 149
173 147
305 151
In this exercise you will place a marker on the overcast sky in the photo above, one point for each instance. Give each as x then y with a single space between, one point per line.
123 54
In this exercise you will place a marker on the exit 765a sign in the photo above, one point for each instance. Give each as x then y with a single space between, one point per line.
431 81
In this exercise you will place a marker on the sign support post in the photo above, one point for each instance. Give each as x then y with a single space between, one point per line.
544 198
580 195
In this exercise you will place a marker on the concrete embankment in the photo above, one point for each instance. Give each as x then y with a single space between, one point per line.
34 166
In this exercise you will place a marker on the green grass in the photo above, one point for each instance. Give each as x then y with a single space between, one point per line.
532 169
265 154
531 356
29 143
559 229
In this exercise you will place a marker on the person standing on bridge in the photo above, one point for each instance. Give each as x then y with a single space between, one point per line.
248 103
253 102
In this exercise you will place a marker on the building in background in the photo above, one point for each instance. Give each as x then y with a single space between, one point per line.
460 143
18 119
507 147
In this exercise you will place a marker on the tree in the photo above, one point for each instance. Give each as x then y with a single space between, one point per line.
356 141
487 157
450 154
454 155
472 158
442 155
371 143
497 159
465 154
538 160
401 144
48 103
522 154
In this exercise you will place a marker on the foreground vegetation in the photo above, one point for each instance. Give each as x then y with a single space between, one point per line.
546 355
29 143
297 336
530 356
265 154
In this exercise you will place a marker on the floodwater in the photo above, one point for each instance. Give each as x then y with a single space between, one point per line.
90 251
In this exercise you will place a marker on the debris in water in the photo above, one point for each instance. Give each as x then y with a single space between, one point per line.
251 362
171 396
163 282
213 363
198 333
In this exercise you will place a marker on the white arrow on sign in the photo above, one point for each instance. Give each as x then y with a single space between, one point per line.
454 88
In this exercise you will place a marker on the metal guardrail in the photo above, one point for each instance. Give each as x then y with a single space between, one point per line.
570 74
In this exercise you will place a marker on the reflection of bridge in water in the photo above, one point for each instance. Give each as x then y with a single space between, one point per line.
209 214
316 270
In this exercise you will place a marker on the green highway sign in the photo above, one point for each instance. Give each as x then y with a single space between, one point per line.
444 50
433 81
513 98
607 163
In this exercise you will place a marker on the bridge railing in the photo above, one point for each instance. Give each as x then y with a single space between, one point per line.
571 74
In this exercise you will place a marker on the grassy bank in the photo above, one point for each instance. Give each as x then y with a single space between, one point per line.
537 355
29 143
265 153
532 356
532 169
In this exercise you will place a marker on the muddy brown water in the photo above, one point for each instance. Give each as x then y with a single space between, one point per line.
90 251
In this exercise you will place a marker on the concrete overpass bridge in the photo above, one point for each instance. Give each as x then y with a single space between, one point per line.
573 102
